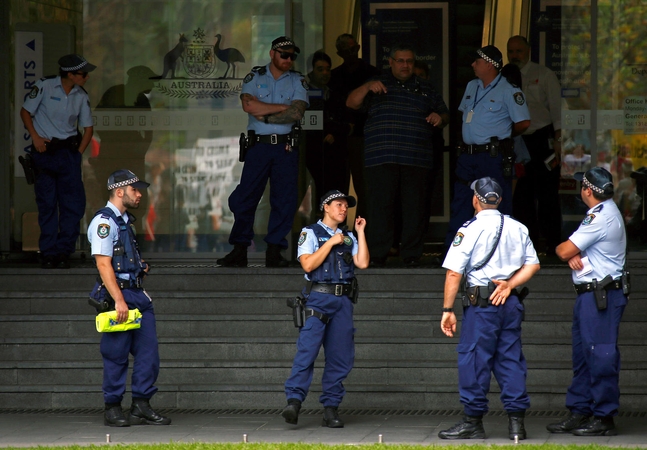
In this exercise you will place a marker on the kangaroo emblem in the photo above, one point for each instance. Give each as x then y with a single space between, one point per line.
170 59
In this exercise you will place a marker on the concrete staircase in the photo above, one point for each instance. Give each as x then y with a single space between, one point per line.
227 339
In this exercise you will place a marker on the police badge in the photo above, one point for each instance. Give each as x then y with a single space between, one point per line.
103 230
519 98
588 219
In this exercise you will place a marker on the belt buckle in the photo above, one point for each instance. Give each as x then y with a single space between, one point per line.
274 139
339 290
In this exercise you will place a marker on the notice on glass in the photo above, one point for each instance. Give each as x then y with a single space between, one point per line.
635 115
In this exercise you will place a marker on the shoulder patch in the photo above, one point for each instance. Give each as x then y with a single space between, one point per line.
304 83
458 239
302 237
588 219
103 230
34 92
519 98
249 77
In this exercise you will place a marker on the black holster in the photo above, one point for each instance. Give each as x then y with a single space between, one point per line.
100 298
600 292
479 295
626 282
27 164
245 143
355 288
295 134
521 295
298 310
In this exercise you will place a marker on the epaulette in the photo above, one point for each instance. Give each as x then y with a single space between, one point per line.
261 70
49 77
467 224
598 208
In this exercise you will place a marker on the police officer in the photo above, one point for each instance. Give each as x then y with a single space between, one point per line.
595 251
121 268
275 98
50 113
329 256
496 256
493 112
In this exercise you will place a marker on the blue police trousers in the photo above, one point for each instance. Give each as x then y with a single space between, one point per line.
596 359
141 343
490 342
337 338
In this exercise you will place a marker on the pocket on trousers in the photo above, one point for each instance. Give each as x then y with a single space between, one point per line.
466 363
604 360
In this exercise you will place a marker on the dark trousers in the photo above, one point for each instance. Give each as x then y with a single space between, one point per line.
281 167
141 343
536 196
60 198
327 164
596 359
393 188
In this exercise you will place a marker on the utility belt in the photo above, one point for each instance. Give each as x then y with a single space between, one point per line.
600 288
71 143
504 147
137 283
335 289
480 296
290 140
300 313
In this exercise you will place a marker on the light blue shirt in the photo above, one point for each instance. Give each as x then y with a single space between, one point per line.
308 242
55 113
289 87
601 236
474 241
493 110
103 234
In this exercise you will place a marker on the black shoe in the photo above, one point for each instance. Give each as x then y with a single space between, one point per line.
597 426
291 412
569 424
48 262
516 428
63 262
469 428
113 416
273 257
411 262
141 413
331 418
236 258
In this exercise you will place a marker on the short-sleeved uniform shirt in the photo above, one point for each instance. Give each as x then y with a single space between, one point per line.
103 234
55 112
474 241
490 112
601 236
309 243
289 87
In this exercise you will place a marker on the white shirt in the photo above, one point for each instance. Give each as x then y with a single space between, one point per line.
543 95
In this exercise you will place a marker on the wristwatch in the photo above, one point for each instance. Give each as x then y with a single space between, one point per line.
448 310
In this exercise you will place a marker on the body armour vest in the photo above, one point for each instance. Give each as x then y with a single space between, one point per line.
338 267
125 253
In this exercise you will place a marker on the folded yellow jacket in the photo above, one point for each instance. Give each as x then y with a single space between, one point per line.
107 321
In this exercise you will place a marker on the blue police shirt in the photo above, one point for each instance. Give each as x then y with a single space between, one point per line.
54 112
103 234
493 110
289 87
474 241
601 237
308 242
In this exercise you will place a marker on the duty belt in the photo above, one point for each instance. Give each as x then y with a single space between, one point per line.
271 138
336 289
129 284
588 287
471 149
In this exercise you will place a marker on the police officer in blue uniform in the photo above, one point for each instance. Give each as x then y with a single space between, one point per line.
596 252
122 270
50 113
329 256
496 256
494 111
275 98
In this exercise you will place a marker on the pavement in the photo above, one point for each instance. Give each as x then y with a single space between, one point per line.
32 429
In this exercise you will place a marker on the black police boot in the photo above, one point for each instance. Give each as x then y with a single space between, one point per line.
113 416
469 428
63 262
141 413
273 257
597 426
291 412
515 426
236 258
331 418
567 425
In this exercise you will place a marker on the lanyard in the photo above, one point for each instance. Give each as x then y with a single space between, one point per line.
487 90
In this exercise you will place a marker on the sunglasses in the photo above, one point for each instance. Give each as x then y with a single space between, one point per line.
82 74
286 55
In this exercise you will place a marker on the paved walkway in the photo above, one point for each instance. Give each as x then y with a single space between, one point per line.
30 430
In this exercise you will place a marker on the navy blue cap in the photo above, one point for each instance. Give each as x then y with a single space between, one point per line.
598 179
487 190
72 63
123 177
285 42
331 195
